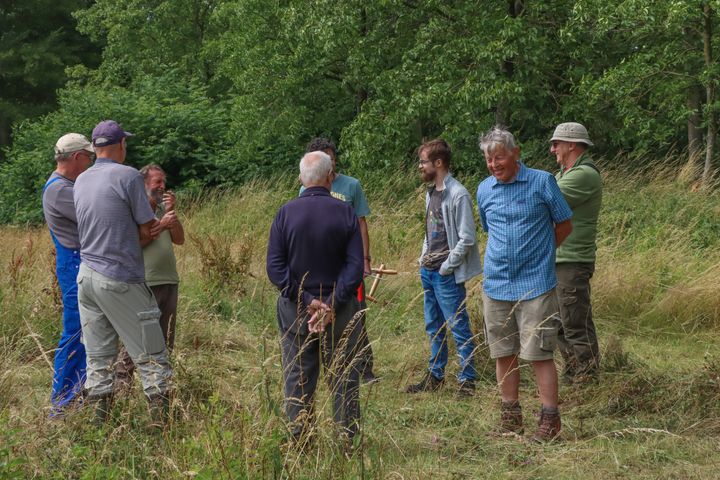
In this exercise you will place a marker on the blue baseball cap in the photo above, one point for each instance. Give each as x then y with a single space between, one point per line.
108 132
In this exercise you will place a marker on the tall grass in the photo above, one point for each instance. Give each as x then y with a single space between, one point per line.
654 414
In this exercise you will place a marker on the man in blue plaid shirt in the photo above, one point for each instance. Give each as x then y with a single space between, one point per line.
526 218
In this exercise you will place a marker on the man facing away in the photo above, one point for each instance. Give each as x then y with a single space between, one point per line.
349 190
73 154
160 264
315 259
449 258
114 216
526 218
580 182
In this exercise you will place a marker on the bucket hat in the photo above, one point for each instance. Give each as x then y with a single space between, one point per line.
571 132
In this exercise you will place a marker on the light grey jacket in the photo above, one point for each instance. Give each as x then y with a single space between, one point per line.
457 210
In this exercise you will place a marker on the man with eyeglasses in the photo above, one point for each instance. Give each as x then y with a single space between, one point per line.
449 258
581 185
73 155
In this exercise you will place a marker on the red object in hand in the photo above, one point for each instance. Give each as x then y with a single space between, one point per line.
360 292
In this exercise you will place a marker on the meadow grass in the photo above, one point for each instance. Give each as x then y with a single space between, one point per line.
654 414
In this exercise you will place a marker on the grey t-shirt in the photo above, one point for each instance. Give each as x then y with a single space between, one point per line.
110 203
438 249
59 211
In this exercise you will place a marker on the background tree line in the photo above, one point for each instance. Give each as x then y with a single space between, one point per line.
220 91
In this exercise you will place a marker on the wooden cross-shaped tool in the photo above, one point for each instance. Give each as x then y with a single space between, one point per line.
379 272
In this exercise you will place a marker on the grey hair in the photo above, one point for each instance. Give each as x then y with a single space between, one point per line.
315 167
498 136
145 171
60 157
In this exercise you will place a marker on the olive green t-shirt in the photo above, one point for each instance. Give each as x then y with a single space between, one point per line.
581 186
160 263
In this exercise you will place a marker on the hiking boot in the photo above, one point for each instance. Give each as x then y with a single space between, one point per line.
466 388
511 419
102 405
429 383
548 426
159 407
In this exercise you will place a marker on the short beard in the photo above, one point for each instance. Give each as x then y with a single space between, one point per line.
428 177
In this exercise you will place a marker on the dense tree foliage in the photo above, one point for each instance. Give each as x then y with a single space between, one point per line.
38 41
219 91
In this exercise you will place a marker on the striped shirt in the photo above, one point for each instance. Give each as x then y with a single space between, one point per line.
110 202
519 217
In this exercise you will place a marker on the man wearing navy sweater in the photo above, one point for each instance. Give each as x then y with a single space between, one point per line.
315 259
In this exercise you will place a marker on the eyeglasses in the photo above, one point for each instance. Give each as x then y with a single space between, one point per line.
423 162
90 155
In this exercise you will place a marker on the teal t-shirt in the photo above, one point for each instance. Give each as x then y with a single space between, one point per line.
348 190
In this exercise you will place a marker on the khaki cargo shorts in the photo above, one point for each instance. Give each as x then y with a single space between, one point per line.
526 327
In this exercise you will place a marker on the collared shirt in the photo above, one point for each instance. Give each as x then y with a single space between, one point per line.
519 217
315 249
582 187
110 203
349 190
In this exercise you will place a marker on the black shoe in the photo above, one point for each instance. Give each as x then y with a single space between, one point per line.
429 383
370 378
159 407
466 388
102 405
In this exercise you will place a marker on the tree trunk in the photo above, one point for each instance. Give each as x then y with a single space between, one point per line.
710 95
4 137
694 123
515 9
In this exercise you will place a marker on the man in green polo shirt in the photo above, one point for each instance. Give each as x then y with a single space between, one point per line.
160 265
580 182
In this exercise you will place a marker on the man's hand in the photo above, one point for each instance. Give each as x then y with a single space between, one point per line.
368 268
149 231
169 220
321 315
169 201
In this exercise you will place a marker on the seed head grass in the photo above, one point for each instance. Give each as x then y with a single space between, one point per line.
653 414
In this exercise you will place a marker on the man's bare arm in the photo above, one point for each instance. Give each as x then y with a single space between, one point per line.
562 230
173 224
366 244
146 231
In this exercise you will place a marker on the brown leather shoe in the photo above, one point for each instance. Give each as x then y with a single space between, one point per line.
511 419
548 426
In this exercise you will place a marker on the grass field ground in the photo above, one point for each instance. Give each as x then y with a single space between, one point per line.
655 413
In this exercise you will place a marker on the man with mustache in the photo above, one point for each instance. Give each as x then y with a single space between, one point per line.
450 257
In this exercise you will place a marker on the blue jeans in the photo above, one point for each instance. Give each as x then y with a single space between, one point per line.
445 303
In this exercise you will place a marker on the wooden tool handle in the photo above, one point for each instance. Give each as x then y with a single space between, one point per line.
371 293
384 272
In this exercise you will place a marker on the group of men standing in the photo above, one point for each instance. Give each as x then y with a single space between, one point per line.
539 258
113 229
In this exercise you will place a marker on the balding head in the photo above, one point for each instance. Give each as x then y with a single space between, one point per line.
316 170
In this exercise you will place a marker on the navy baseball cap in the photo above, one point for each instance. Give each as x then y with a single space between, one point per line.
108 132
